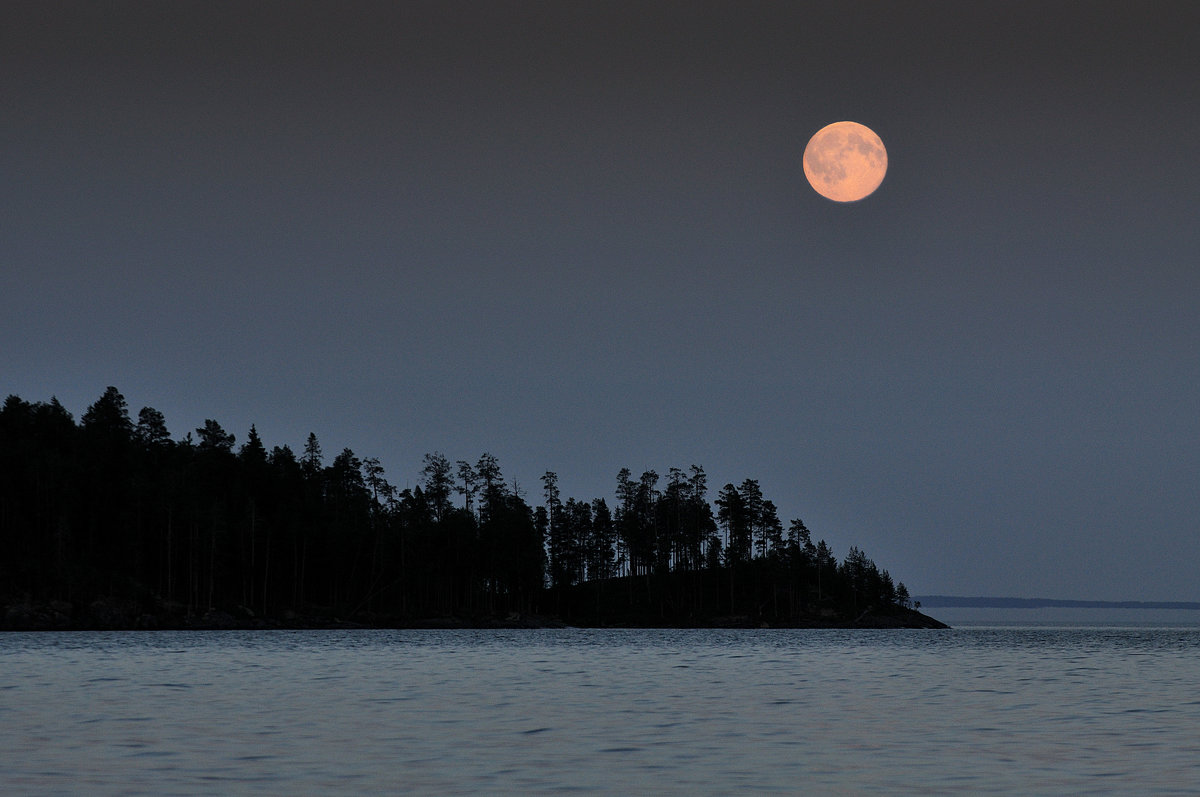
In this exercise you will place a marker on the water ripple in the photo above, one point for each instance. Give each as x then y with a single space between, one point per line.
965 711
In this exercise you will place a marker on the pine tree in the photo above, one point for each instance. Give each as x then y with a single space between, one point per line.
151 430
438 484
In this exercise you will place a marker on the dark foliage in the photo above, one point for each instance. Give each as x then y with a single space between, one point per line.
111 522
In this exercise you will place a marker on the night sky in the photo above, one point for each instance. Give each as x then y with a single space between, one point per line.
578 236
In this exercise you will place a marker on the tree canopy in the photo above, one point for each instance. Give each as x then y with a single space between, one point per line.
112 509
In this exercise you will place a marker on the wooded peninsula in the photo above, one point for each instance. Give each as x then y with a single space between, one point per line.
111 523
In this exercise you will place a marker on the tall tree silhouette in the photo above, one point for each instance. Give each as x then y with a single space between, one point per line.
151 428
438 483
468 484
734 517
556 531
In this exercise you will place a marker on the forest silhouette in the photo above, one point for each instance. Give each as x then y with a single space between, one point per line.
111 523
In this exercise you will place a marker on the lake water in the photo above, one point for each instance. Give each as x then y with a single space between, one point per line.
1034 710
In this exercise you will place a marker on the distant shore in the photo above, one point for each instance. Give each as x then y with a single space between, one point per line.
965 602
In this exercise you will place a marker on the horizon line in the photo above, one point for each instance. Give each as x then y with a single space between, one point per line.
998 602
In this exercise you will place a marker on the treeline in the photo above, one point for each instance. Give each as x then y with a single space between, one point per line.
114 507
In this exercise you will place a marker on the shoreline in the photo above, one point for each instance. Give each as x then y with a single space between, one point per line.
118 615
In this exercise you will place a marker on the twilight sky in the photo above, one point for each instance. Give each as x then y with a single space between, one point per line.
578 235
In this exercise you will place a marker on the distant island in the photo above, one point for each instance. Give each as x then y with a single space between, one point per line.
110 523
957 601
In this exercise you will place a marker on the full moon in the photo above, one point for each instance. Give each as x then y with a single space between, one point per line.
845 161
